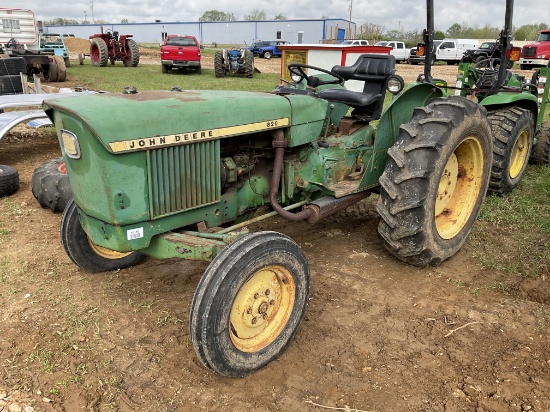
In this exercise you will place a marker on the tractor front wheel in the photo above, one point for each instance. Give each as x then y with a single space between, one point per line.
219 69
541 151
249 303
132 57
86 254
435 180
99 52
513 130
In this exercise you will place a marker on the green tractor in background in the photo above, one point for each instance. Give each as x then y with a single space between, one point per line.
515 108
305 151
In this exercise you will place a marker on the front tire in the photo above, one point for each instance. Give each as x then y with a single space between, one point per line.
87 255
541 151
219 69
513 130
249 303
435 180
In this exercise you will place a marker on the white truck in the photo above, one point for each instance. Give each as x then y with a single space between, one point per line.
452 50
399 51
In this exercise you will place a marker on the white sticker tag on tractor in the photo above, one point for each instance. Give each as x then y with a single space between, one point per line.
458 86
132 234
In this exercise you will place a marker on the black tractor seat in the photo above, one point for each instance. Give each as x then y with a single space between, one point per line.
374 70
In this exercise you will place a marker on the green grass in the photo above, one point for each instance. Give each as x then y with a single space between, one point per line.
114 78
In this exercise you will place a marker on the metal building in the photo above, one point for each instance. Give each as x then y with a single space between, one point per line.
310 31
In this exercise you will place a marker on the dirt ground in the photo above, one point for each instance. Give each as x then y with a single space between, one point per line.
378 335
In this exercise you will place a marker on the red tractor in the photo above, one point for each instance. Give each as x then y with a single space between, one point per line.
109 46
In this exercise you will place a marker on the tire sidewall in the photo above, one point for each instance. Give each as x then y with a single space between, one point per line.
77 246
220 352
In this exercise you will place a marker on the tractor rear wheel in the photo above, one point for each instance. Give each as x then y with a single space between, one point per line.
249 303
99 52
512 129
50 185
51 71
541 151
61 68
9 180
86 254
132 57
219 69
435 180
248 64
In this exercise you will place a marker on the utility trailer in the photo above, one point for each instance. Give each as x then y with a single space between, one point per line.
19 39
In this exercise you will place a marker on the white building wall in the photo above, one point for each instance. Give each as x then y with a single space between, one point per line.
226 32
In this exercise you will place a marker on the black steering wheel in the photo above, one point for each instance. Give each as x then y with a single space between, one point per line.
313 81
487 66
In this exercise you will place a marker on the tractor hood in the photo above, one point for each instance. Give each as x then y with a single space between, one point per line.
150 119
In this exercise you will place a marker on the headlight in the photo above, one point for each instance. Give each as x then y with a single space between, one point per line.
395 84
296 78
70 144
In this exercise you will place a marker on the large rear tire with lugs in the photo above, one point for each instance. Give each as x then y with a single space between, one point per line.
132 58
99 54
50 185
541 151
248 64
219 69
513 130
61 68
435 180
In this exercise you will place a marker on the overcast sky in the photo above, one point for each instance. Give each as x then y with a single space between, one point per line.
391 14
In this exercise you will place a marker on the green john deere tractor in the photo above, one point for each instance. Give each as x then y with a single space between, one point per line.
306 150
515 108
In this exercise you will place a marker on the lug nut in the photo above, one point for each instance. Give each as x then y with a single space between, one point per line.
248 311
267 292
272 302
256 295
254 320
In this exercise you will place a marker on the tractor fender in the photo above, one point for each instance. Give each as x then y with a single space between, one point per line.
397 113
501 100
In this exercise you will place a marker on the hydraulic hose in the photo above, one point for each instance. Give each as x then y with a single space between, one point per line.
279 144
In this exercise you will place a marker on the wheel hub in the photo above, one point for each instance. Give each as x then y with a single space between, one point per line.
262 308
519 154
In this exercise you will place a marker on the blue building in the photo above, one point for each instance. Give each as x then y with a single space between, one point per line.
310 31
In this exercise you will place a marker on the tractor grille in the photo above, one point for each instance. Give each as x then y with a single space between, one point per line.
184 177
529 51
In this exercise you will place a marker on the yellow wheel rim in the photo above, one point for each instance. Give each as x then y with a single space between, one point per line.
459 188
107 253
262 308
519 154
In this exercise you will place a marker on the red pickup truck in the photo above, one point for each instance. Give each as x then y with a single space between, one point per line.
181 52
